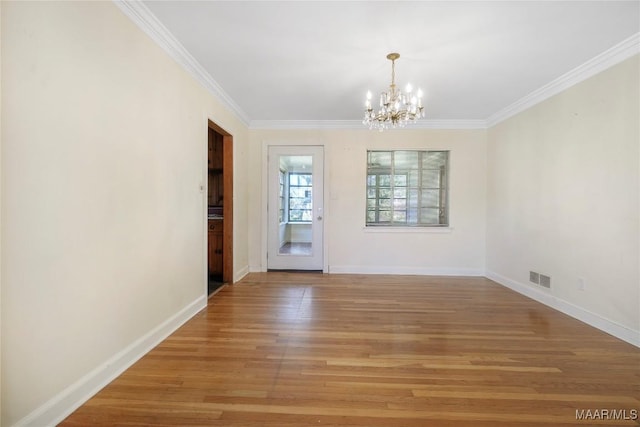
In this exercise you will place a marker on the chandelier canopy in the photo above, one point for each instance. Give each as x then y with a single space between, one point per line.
397 108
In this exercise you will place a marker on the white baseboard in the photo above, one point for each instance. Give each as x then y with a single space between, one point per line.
240 274
70 399
418 271
256 269
612 328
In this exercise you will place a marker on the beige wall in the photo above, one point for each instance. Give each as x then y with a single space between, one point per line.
103 219
103 152
563 190
352 248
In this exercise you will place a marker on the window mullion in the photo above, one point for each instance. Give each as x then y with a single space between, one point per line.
442 202
392 185
420 172
377 197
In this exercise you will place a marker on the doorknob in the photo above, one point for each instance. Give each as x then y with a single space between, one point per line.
319 218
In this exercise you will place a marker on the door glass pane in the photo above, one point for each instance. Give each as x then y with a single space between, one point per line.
295 232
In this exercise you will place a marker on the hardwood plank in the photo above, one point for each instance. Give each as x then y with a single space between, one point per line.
286 349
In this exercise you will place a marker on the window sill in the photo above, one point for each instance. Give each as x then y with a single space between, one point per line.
395 229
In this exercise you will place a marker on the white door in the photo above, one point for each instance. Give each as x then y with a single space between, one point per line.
295 208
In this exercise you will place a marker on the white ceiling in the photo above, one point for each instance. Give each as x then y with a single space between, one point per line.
315 60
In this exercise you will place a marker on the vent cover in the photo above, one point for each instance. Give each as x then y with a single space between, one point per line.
545 281
534 277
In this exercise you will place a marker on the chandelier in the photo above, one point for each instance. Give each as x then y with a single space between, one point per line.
397 108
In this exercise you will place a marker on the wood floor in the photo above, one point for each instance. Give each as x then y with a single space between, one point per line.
296 248
283 349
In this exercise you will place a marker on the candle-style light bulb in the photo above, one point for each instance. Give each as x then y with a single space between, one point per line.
408 90
367 103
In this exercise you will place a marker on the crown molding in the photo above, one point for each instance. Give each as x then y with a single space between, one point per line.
303 124
616 54
357 124
150 25
147 22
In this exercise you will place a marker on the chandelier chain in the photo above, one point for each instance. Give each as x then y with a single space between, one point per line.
393 73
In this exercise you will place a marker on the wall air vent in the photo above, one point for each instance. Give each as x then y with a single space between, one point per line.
534 277
545 281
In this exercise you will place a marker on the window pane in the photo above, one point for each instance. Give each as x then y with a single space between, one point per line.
399 216
412 199
412 216
399 204
400 193
385 216
371 180
371 193
385 203
380 159
431 178
430 198
385 193
371 203
384 180
400 180
434 159
405 160
412 178
371 216
429 216
298 192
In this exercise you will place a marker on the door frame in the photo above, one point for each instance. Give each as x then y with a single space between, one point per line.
313 261
302 142
227 207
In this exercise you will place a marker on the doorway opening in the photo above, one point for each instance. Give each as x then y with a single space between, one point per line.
219 207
